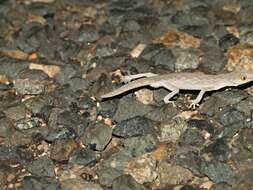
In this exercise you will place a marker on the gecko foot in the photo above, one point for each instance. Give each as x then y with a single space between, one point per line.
170 102
126 79
193 105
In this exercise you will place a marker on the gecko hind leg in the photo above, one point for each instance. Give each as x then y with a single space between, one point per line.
129 78
196 101
167 98
174 90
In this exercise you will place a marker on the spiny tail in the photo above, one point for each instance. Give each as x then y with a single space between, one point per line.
132 85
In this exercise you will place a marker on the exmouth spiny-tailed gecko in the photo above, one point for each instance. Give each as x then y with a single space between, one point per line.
183 81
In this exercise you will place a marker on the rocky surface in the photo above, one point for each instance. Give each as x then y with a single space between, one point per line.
58 57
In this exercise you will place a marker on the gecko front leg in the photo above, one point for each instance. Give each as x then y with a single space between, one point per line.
129 78
174 90
196 101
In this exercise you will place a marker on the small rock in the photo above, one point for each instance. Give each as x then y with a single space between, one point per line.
165 59
42 167
144 96
8 155
172 130
83 156
66 73
28 86
28 123
39 105
85 102
190 161
219 149
106 175
227 41
32 82
163 112
246 139
137 126
240 56
221 186
140 145
191 137
220 100
78 84
188 187
61 149
218 172
199 31
39 183
173 174
118 160
79 184
201 125
245 181
5 126
230 130
97 136
213 59
16 112
69 119
87 33
247 38
60 133
245 106
187 59
126 182
129 108
142 169
173 39
230 116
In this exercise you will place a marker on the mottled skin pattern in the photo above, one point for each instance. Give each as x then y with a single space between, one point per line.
183 81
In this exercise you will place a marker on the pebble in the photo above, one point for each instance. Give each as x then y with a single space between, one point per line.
142 169
97 137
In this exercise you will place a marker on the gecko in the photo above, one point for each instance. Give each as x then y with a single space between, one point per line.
183 81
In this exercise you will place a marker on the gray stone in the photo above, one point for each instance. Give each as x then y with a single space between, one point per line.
137 126
218 172
171 130
187 59
83 156
118 160
219 100
16 112
126 182
129 108
97 136
229 116
106 175
142 168
173 174
42 167
39 183
27 86
140 145
79 184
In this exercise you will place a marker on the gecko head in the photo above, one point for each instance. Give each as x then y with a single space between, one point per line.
242 77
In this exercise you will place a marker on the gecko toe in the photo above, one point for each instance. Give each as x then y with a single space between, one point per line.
126 79
193 105
170 102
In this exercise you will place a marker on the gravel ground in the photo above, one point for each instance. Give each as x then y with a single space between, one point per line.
57 57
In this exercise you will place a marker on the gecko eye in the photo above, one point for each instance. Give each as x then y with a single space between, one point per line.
243 77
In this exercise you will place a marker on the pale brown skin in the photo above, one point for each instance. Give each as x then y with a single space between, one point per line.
184 81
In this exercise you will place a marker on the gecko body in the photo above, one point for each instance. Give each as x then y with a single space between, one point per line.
183 81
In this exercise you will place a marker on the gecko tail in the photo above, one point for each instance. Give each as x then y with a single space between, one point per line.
108 95
127 87
113 93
